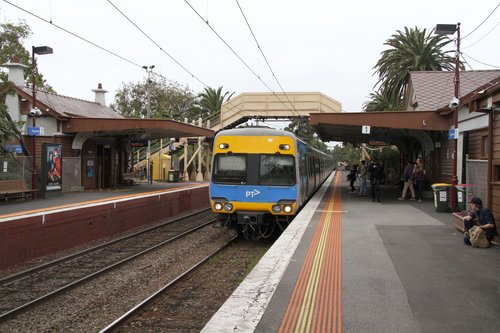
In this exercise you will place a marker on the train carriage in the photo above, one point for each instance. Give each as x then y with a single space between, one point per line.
261 178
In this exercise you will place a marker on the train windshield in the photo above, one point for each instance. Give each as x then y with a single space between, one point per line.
277 170
230 169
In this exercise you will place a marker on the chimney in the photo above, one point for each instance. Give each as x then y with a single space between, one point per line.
16 76
100 95
16 71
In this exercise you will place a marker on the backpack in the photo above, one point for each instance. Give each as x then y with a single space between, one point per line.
478 237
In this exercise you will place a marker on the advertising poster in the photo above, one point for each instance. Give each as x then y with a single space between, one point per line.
52 168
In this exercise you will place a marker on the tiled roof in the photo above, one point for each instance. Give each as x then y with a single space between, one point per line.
434 89
73 107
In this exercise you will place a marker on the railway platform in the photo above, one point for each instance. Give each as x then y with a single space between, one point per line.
34 228
349 264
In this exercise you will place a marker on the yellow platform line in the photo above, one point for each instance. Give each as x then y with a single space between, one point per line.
315 304
97 201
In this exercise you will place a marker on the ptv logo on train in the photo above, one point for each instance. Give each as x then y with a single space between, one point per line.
252 193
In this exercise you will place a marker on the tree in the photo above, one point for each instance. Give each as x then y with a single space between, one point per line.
409 50
211 100
382 101
302 129
12 37
172 101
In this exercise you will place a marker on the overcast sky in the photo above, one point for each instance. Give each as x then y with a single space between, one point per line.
326 46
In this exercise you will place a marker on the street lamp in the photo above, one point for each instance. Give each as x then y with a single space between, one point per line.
40 50
450 29
149 70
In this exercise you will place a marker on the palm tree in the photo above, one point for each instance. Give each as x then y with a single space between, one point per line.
211 100
382 101
410 50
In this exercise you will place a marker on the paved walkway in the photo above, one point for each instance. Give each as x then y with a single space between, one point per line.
404 268
68 198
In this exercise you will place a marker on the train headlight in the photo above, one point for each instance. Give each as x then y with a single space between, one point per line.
287 209
223 145
276 209
284 147
228 207
218 206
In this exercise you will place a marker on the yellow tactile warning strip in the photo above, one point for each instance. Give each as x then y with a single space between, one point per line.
316 301
99 201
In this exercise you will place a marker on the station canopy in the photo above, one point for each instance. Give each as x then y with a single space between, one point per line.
393 125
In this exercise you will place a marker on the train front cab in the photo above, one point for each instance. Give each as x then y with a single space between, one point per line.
254 180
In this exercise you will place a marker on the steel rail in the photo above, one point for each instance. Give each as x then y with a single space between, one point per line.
17 276
75 283
115 324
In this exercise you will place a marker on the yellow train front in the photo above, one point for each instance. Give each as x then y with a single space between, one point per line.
261 178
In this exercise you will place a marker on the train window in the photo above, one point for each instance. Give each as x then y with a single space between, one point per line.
277 170
229 169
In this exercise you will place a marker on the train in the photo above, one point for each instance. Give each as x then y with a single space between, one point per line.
261 178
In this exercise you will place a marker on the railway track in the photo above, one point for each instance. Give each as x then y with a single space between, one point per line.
115 325
22 290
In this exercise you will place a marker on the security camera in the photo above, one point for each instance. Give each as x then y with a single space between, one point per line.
454 103
35 112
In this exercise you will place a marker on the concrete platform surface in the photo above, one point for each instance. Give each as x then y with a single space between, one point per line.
404 268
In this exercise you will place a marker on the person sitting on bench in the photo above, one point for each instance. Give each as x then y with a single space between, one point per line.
481 217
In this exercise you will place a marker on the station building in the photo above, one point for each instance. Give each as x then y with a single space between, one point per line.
95 139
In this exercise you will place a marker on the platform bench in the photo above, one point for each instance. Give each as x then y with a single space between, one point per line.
458 223
15 188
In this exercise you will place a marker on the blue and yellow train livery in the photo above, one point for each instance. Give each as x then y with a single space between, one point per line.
261 177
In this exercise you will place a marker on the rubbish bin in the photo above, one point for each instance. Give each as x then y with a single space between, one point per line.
173 176
441 197
461 202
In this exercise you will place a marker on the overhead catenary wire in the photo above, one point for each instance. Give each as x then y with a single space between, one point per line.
235 53
158 45
162 49
484 36
480 24
480 62
84 39
263 55
74 34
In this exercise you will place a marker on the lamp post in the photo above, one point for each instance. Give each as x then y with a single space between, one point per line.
450 29
40 50
149 70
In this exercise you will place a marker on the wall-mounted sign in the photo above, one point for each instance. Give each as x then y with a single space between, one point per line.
453 134
35 131
378 142
365 129
138 143
13 148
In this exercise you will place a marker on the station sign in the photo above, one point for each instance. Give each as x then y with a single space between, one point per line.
13 148
365 129
138 143
35 131
453 134
378 141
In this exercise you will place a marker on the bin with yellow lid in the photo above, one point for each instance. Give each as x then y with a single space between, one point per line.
441 197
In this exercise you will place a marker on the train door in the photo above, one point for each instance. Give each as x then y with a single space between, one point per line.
104 166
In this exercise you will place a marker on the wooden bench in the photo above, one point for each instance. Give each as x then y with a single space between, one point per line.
15 188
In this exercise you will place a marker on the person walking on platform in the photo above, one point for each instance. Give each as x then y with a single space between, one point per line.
352 176
376 173
362 179
408 181
419 179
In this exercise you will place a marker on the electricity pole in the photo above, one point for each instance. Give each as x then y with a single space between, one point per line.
149 70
